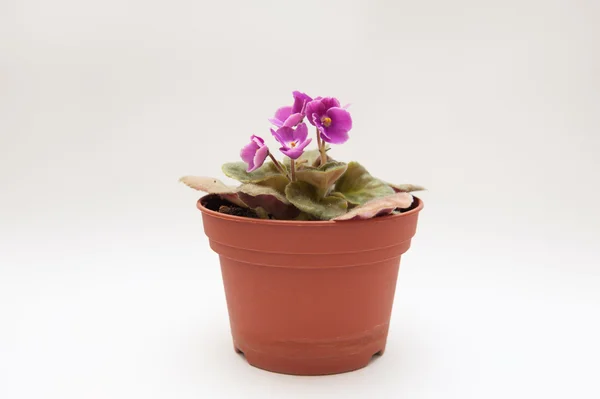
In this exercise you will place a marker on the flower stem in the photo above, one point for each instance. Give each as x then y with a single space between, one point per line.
293 168
278 165
321 146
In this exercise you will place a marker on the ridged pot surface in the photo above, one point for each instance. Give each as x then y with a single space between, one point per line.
309 298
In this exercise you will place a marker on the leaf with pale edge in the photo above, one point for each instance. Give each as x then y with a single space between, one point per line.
269 199
358 186
405 188
322 177
378 207
267 175
213 186
308 158
261 213
305 197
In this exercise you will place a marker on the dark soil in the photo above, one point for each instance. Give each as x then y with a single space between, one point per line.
412 206
218 204
238 211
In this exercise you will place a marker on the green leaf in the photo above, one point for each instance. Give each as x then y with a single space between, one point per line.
213 186
267 175
322 177
405 188
311 158
269 199
207 184
305 217
262 214
378 207
305 197
307 157
358 186
277 183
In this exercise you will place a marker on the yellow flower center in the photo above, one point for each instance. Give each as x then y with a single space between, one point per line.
326 121
293 144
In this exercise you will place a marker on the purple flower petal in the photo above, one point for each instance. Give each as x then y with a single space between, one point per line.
284 135
293 120
259 157
247 153
330 102
333 135
293 141
276 135
258 140
317 122
295 151
314 119
254 153
301 132
300 101
303 144
276 122
340 118
281 115
314 110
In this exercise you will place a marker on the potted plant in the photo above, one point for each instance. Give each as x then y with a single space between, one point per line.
309 246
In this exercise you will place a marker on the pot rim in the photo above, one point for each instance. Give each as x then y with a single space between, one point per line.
305 223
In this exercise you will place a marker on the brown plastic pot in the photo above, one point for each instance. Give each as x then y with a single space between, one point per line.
309 298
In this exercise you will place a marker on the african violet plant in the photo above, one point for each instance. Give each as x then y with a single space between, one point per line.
306 185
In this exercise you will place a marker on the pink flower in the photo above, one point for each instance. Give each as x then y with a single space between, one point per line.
293 141
254 153
291 116
333 122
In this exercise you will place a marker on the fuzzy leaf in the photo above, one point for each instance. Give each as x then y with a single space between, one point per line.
303 216
207 184
213 186
305 197
267 175
405 188
322 177
358 186
262 214
310 158
307 157
269 199
378 207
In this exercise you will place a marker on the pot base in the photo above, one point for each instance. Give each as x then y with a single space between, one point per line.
309 298
309 367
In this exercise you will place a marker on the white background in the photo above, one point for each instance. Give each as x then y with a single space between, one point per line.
107 286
